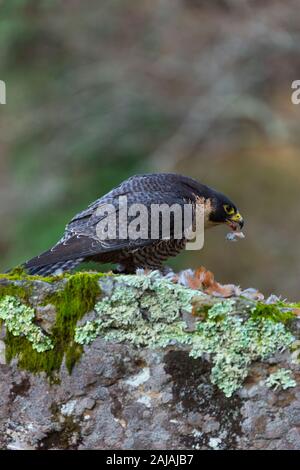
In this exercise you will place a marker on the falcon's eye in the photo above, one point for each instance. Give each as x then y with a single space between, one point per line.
229 209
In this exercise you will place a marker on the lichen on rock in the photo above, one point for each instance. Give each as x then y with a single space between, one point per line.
282 378
18 319
235 342
145 311
37 351
140 356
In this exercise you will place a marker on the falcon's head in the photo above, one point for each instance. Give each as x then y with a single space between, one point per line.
224 211
218 208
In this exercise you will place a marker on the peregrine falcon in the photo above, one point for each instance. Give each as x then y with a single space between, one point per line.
81 240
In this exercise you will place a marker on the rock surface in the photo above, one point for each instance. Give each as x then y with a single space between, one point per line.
120 396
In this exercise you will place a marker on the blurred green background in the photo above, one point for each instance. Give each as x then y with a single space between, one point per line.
100 90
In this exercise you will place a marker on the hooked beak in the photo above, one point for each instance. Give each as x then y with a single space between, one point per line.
236 222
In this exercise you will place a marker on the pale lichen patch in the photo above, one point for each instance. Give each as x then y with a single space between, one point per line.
2 352
234 343
68 408
145 310
18 319
140 378
145 400
282 378
214 442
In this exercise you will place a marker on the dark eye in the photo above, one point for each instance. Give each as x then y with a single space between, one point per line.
229 209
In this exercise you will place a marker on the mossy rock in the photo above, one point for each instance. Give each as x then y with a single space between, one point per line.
74 296
148 311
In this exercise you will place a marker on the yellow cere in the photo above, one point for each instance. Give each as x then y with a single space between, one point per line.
237 217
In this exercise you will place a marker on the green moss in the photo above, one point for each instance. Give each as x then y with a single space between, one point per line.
21 291
77 298
275 312
19 274
16 283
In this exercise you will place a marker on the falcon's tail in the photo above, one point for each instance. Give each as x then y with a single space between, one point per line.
51 269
